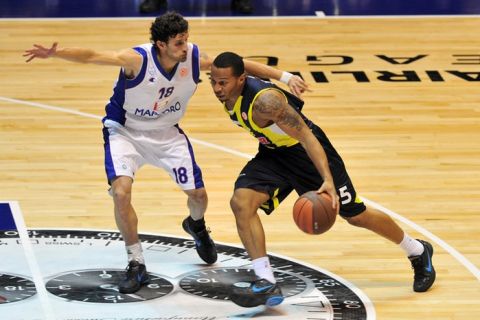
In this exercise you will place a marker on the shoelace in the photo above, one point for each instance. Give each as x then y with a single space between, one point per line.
129 270
418 267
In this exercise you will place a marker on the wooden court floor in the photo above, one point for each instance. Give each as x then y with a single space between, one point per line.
411 147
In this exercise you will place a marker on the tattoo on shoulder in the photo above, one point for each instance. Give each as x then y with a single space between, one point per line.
274 106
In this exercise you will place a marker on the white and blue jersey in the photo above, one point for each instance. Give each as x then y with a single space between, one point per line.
141 124
154 99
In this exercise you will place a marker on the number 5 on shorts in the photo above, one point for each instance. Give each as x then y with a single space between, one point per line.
345 195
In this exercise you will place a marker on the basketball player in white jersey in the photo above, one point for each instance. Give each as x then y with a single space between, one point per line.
151 94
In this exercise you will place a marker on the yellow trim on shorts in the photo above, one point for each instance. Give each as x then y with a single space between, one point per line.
275 199
358 200
272 203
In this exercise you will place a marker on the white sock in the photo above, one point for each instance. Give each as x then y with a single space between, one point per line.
411 246
263 270
134 252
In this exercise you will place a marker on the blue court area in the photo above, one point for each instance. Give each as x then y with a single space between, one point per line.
204 8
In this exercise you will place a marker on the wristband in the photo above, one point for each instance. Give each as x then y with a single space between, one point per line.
286 76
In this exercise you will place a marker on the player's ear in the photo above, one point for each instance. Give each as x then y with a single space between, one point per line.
242 78
160 44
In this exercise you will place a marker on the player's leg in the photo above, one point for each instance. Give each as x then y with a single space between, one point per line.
125 215
175 155
264 289
419 252
245 203
357 214
258 186
378 222
194 225
121 162
354 211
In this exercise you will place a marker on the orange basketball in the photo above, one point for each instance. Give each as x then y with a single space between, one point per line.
313 212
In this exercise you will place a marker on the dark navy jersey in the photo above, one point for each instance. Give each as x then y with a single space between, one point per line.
271 136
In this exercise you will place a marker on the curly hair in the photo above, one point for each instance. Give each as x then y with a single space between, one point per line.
167 26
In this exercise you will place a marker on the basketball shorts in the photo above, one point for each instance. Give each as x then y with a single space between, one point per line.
278 172
127 150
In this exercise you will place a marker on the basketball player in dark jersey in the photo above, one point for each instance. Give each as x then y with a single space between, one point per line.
293 154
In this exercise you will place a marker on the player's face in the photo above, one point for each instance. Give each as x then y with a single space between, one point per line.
177 47
225 85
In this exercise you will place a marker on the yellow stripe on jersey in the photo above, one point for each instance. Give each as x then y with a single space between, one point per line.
238 111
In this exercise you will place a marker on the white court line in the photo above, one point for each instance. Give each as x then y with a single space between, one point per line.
47 107
32 261
452 251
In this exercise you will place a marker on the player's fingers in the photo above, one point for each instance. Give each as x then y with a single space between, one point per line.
306 87
297 92
333 196
334 202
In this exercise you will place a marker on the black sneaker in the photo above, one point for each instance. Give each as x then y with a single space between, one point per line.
203 243
260 292
423 268
136 275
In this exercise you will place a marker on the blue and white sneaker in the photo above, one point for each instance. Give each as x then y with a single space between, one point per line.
135 276
259 292
423 268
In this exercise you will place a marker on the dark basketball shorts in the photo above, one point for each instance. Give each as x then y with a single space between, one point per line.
278 172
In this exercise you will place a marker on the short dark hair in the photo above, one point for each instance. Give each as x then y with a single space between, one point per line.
167 26
230 60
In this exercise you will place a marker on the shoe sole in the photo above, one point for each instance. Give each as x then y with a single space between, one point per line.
274 301
249 302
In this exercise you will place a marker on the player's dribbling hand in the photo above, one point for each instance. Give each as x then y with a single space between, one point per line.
40 52
329 187
297 86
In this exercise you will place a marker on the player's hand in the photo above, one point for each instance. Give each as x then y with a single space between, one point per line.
39 51
329 188
297 86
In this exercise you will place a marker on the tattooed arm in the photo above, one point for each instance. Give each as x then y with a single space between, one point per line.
272 107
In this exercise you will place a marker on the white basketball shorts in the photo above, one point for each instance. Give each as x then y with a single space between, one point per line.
127 150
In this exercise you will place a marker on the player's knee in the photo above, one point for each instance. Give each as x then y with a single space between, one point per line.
121 196
198 195
235 204
359 220
239 206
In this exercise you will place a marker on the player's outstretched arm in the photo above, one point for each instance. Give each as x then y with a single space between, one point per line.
127 58
296 84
